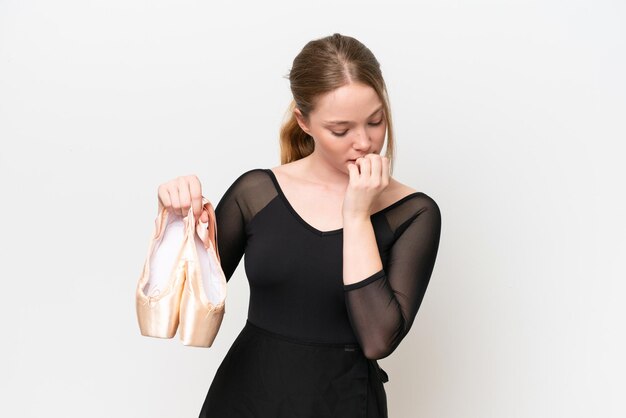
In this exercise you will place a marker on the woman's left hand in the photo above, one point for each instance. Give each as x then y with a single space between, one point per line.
369 176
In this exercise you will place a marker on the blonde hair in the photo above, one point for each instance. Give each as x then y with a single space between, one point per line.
324 65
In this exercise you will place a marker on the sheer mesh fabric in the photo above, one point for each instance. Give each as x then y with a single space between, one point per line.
248 194
382 307
377 312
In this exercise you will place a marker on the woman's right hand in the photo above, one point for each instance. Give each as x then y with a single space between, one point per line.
181 193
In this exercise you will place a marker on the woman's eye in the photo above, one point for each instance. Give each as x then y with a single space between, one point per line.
344 132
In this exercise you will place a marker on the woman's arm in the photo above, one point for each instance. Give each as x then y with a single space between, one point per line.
383 302
230 222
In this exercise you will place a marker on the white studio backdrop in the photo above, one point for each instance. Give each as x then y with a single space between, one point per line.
510 114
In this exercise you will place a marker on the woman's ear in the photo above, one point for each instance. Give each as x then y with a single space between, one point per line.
301 120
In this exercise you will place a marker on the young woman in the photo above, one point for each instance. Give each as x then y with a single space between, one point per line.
338 253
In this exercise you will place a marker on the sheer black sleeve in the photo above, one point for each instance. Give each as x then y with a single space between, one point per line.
383 306
241 201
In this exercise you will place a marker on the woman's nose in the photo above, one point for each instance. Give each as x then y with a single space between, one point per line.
361 139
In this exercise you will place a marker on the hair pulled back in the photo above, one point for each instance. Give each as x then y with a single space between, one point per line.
324 65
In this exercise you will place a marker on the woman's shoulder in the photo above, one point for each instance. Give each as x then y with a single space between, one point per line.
399 188
250 180
417 199
292 169
396 192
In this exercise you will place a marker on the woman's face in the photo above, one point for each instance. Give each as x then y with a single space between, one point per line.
346 124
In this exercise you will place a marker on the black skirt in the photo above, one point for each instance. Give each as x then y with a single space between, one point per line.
267 375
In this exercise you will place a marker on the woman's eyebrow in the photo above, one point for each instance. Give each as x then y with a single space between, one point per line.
344 122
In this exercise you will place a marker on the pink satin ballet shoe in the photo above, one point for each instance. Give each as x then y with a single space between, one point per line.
202 305
161 282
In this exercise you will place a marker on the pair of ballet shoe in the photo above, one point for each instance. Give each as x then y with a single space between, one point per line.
182 285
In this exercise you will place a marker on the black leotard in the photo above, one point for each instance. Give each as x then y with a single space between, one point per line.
295 270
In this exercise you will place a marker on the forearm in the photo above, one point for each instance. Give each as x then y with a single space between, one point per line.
368 305
360 250
382 303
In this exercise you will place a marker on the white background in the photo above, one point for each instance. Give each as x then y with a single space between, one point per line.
510 114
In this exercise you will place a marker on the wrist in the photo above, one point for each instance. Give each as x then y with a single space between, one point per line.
355 219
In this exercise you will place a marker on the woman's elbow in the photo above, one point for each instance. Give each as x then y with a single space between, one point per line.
377 352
